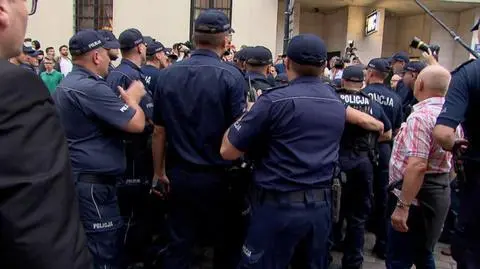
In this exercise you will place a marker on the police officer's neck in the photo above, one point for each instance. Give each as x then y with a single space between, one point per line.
219 51
136 59
375 81
352 89
155 64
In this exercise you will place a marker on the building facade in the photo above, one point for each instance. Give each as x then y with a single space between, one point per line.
261 22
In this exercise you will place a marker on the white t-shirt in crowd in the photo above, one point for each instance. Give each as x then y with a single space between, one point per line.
65 66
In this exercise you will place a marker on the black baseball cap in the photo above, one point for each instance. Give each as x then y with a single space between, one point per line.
353 73
380 65
401 57
415 66
130 38
85 41
212 21
259 56
154 47
307 49
111 42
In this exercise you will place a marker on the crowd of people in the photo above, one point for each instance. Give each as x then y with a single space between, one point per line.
271 164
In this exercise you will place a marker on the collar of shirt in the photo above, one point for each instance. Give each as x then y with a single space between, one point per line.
205 52
82 70
305 80
131 64
432 101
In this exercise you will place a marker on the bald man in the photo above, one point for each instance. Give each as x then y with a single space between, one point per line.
419 177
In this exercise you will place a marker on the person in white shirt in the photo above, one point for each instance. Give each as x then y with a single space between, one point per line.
65 64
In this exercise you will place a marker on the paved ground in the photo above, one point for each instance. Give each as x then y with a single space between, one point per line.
371 262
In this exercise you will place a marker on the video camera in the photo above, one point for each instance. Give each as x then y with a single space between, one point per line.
417 43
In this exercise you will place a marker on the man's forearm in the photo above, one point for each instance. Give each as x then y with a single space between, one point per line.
158 150
445 136
412 182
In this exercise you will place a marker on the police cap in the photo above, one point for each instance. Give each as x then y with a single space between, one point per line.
130 38
353 73
307 49
154 47
241 55
259 55
401 57
85 41
415 67
380 65
111 42
212 21
476 26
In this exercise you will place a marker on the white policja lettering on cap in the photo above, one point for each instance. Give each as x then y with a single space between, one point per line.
94 44
124 108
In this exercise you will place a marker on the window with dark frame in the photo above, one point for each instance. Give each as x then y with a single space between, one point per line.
197 6
93 14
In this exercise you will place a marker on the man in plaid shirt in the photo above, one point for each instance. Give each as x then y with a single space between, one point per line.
420 168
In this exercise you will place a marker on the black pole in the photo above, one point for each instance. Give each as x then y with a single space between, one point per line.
286 37
450 31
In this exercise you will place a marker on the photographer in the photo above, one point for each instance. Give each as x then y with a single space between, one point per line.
337 70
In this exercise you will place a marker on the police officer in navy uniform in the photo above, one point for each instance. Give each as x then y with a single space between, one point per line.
114 50
461 107
92 116
258 60
196 100
298 128
156 60
377 71
405 88
133 191
357 154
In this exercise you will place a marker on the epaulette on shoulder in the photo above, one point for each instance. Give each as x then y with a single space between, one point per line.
275 88
462 65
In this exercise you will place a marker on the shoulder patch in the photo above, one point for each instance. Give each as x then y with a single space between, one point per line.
462 65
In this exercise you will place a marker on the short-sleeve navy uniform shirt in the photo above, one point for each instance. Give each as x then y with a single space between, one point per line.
462 105
124 75
300 126
151 74
196 100
92 115
389 100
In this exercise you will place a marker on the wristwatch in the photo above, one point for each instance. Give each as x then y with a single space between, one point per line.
402 204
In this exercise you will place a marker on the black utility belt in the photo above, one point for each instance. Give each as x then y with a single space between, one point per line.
296 196
97 179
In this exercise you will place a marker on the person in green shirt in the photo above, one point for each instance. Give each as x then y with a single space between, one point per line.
51 77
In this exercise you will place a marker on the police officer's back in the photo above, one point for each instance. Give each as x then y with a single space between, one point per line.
156 60
300 126
357 154
133 190
258 61
92 115
461 107
196 100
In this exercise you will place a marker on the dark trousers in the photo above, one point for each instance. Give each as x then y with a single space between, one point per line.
407 249
466 241
356 205
102 222
278 226
198 210
380 184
